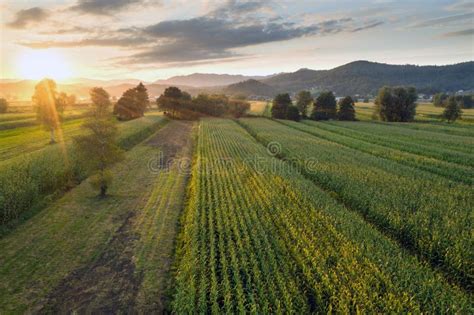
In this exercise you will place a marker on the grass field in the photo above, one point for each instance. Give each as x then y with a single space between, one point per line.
32 169
88 235
272 217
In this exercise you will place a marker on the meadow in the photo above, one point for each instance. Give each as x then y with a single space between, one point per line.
251 215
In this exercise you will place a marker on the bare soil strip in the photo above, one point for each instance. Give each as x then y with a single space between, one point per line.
111 282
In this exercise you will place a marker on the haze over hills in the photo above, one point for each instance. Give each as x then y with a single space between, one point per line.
208 79
359 77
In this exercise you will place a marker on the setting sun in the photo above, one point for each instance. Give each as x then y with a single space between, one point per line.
38 64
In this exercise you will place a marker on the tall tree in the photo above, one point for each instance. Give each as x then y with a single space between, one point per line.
346 109
48 108
396 104
3 105
280 106
132 104
324 107
453 111
171 100
303 101
98 147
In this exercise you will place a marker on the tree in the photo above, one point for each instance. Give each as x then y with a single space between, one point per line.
132 104
439 99
396 104
324 107
171 100
3 105
280 106
143 100
98 147
293 113
452 111
303 100
346 109
48 108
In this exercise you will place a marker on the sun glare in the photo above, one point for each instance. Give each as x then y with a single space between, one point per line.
38 64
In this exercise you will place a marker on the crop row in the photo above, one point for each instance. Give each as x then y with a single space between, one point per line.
424 212
456 172
261 238
460 151
27 179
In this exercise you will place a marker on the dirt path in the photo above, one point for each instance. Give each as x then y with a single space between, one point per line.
111 282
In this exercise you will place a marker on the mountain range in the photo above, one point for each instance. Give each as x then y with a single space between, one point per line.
359 77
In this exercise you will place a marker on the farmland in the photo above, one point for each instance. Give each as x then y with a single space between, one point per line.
251 215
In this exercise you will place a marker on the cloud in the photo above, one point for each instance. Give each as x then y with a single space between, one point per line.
215 36
368 26
24 18
445 20
461 6
106 7
459 33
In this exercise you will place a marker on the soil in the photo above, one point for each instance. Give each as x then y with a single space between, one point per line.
110 283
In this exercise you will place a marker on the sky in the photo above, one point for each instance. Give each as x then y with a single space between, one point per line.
157 39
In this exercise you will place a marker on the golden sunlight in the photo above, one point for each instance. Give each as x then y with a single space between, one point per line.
38 64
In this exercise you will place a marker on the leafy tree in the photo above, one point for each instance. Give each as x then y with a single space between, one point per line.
98 148
293 113
346 109
396 104
303 100
324 107
453 111
280 106
439 99
143 100
171 100
132 104
3 105
48 108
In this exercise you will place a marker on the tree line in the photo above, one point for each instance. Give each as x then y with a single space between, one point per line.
392 104
179 104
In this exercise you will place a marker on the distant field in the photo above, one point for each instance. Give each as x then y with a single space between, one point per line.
424 112
260 108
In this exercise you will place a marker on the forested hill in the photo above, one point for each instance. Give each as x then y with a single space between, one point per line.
364 77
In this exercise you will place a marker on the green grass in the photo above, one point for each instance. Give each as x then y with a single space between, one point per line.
259 237
424 212
27 179
75 230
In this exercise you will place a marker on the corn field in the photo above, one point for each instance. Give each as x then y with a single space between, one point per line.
259 237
